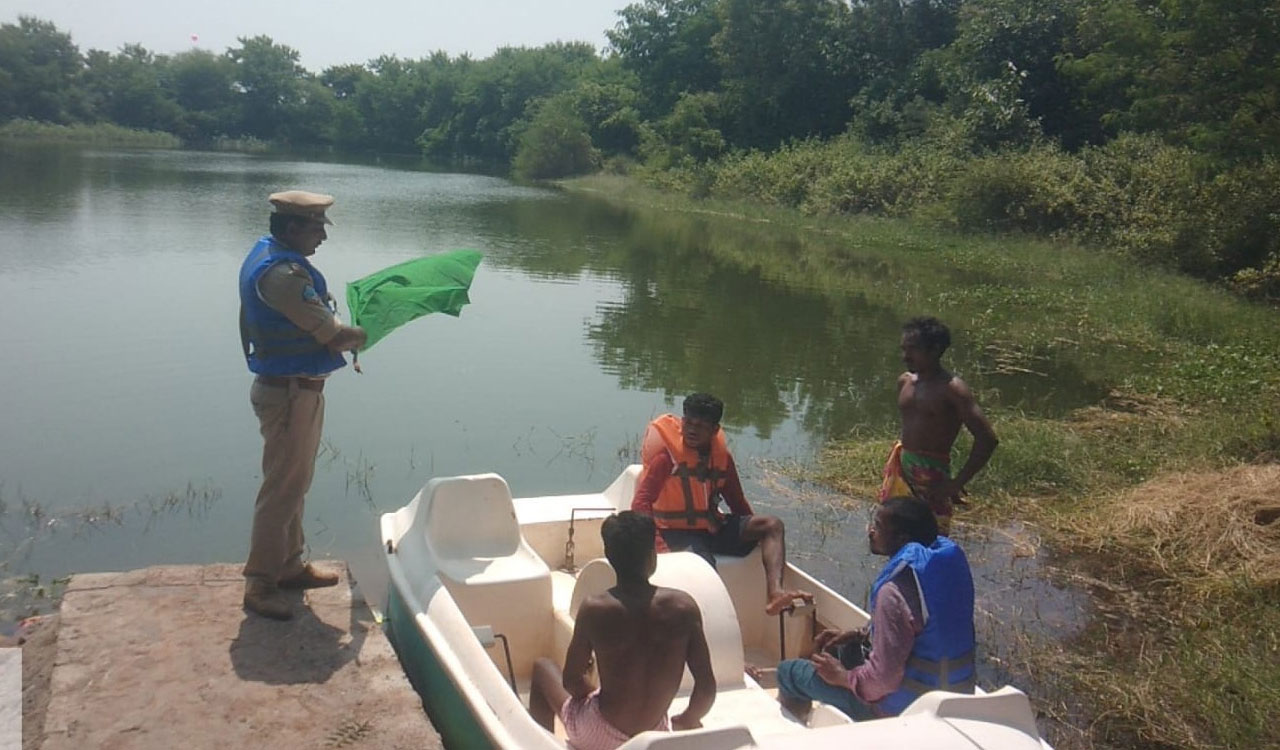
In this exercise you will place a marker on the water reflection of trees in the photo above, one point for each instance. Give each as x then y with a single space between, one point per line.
779 322
40 181
691 318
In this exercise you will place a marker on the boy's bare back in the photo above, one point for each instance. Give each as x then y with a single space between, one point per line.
642 641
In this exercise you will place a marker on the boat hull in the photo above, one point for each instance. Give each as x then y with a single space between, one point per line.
467 564
452 715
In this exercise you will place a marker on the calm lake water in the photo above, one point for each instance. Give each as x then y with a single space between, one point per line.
126 436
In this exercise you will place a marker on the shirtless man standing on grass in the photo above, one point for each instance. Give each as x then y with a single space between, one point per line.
934 405
642 636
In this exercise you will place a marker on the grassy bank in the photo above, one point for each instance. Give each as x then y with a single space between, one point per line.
1158 494
1156 202
104 134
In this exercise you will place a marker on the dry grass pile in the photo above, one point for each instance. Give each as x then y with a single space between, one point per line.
1211 526
1155 669
1121 411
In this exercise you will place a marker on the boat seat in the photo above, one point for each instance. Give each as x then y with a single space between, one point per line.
472 531
690 573
744 576
726 738
981 715
491 572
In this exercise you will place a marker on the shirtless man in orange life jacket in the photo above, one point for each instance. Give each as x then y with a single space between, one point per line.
687 470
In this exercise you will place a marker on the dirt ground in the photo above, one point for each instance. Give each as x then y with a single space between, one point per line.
38 639
206 674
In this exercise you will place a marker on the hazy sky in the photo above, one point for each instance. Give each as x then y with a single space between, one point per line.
326 33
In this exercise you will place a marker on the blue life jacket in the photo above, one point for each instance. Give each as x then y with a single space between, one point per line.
942 657
273 345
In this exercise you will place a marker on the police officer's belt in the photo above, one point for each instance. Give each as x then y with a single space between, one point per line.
277 381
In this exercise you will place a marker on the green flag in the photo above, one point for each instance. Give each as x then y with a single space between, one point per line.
394 296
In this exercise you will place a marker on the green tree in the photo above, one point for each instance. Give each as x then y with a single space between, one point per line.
667 45
785 67
345 82
1018 42
608 108
391 102
269 80
125 88
40 73
201 84
1201 72
445 77
311 118
491 96
901 91
555 143
886 37
688 136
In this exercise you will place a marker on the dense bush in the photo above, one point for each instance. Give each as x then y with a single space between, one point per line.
1146 198
893 183
1262 282
686 137
1162 204
838 176
1038 190
782 178
555 143
1243 220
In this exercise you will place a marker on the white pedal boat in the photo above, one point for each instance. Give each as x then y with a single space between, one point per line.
482 584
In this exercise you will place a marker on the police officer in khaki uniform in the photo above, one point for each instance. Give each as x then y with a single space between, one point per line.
292 340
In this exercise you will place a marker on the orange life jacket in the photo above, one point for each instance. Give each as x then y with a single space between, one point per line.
690 494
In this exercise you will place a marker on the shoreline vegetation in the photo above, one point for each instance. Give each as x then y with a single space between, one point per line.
1161 204
110 134
1159 500
98 134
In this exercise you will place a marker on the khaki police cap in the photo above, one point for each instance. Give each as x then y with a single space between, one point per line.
302 203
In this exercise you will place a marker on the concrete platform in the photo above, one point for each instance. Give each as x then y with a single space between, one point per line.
166 658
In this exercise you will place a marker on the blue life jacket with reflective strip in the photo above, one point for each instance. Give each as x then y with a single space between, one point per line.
273 345
942 657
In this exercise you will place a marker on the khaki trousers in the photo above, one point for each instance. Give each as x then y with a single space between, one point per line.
290 419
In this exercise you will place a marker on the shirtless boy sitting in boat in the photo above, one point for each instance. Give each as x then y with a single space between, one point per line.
642 636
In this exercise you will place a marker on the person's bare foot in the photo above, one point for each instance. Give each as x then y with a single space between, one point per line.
784 600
